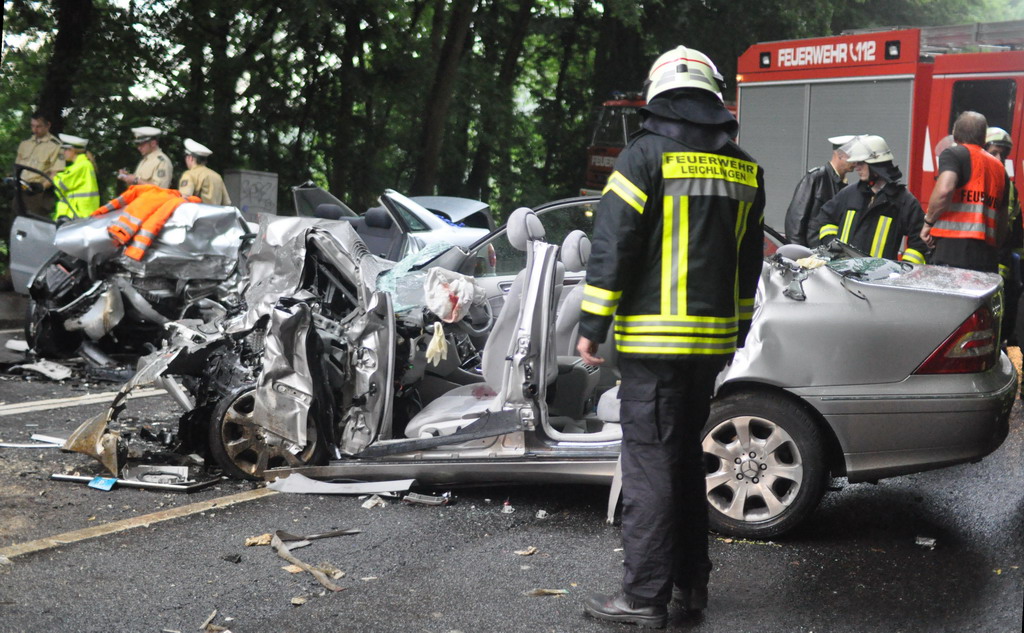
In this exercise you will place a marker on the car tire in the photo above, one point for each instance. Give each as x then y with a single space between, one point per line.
764 456
45 337
239 446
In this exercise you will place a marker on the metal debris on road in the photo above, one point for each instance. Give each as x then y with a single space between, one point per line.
47 368
232 558
298 601
157 474
925 542
506 508
542 514
743 541
429 500
288 536
188 487
547 592
39 441
529 551
300 484
374 502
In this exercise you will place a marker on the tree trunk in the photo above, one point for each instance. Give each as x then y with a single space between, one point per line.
74 17
492 113
440 97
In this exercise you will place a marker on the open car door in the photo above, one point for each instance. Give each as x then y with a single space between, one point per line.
31 239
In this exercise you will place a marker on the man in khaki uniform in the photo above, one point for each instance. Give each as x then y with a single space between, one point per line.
200 180
41 151
154 168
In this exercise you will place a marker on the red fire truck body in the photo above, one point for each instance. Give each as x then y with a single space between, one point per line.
615 120
906 85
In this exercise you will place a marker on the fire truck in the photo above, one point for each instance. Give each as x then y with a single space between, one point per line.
615 120
907 85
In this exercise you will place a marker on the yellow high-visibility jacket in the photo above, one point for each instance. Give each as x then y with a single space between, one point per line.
78 184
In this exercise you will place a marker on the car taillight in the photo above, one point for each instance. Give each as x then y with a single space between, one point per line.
972 348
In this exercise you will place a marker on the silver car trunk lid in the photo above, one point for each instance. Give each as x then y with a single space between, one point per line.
859 321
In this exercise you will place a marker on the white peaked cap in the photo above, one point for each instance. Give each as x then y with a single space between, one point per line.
197 149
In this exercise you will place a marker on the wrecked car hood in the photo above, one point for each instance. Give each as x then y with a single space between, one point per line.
199 241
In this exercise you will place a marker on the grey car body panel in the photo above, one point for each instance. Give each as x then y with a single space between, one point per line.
31 247
844 329
886 430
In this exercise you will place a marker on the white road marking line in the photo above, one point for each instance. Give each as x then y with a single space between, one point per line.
18 408
144 520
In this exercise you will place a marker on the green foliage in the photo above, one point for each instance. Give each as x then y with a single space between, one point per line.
336 90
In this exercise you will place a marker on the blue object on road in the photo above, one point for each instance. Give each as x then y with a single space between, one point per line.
103 483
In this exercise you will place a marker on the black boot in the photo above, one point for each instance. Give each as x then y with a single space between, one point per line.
694 599
620 608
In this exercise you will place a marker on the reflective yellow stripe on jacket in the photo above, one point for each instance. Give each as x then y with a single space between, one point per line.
669 334
881 233
599 301
623 188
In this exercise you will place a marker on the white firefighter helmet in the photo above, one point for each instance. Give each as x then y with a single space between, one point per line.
867 148
998 136
683 67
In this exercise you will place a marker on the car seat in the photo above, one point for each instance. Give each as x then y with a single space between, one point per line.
379 232
460 406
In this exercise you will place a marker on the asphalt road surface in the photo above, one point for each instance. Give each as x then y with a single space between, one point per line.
854 566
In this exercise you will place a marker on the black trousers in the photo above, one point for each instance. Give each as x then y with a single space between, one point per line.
664 407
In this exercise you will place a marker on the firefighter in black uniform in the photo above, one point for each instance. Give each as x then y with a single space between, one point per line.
677 253
817 187
875 215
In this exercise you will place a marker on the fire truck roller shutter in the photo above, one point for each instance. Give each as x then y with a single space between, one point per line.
808 113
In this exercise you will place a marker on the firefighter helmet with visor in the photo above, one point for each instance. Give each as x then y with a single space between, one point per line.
867 148
683 67
998 136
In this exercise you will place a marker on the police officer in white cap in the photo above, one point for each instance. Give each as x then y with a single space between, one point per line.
818 186
154 168
200 180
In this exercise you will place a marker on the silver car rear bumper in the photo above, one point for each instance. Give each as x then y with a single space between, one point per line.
920 423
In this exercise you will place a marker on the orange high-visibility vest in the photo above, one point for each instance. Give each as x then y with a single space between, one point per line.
972 211
146 210
152 225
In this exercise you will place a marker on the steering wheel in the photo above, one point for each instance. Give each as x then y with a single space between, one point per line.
478 313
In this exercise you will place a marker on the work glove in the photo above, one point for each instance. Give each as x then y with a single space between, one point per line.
437 349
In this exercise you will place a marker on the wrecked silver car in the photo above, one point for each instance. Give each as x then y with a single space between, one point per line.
339 370
88 292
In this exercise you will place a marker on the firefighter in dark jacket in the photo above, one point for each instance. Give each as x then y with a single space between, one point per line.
875 215
677 254
817 187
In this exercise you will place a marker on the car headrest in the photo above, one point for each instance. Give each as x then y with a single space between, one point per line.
378 218
794 251
328 211
523 227
575 251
